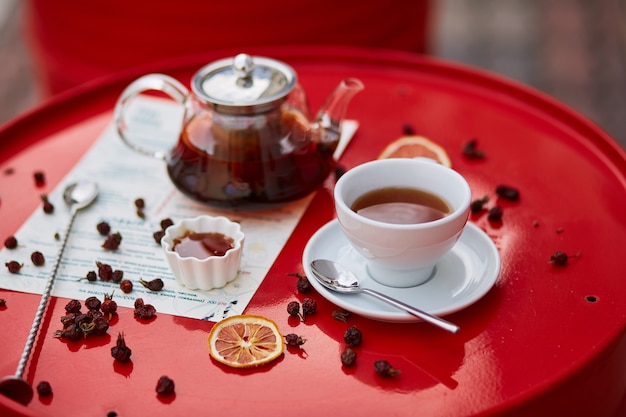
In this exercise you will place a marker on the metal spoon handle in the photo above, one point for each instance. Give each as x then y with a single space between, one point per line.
43 303
437 321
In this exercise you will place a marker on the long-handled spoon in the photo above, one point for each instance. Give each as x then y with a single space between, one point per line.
337 278
77 196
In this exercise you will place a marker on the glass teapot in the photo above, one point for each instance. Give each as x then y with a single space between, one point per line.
247 140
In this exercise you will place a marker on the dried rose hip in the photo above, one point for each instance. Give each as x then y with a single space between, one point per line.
113 241
348 357
495 214
470 150
309 307
40 178
140 203
105 272
48 208
91 276
154 285
13 266
44 389
384 369
352 336
165 386
117 276
508 193
93 303
103 228
165 223
109 306
303 285
158 235
293 308
3 302
126 286
37 258
10 242
144 311
73 306
560 258
477 206
294 340
341 315
120 351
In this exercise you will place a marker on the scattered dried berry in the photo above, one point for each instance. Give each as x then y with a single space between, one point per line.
352 336
508 193
165 223
144 311
91 276
293 308
3 302
113 241
10 242
40 178
103 228
408 129
120 351
37 258
13 266
109 306
165 386
348 357
309 307
294 340
495 214
477 206
154 285
470 150
73 307
57 236
303 284
560 258
48 208
126 286
339 171
341 315
93 303
140 204
44 389
158 235
105 271
384 369
117 276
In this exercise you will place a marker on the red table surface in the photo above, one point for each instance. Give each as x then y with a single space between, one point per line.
544 341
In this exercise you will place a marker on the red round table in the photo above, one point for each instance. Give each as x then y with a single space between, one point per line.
544 341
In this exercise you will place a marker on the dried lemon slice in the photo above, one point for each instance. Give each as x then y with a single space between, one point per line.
416 146
245 341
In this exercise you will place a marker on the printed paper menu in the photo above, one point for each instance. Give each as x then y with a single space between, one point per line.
123 176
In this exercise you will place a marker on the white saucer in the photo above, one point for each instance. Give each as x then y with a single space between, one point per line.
462 277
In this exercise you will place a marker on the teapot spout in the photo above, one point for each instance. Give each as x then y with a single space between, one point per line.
334 109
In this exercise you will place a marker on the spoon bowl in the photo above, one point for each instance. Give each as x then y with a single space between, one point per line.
77 196
336 277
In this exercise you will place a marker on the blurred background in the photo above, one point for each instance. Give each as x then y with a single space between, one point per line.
573 50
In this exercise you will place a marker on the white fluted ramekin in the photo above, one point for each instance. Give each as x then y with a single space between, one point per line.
208 273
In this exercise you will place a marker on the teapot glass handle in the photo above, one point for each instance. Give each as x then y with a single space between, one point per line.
150 82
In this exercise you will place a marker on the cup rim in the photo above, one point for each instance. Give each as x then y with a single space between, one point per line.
461 210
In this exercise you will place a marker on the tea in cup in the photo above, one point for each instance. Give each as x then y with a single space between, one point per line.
402 215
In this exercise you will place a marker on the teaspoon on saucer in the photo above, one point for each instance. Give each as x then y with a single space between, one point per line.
338 278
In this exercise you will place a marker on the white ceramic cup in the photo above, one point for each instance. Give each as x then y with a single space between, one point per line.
402 255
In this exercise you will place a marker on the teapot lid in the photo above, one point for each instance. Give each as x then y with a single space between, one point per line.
244 84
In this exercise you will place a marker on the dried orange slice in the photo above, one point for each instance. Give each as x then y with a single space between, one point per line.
244 341
416 146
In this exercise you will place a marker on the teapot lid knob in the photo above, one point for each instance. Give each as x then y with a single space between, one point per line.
244 83
243 65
